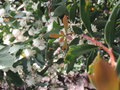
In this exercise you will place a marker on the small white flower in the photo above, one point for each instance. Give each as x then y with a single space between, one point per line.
31 31
98 1
18 35
94 29
34 6
44 18
29 66
2 67
19 69
81 42
28 13
16 32
6 39
7 42
29 52
21 6
57 51
2 12
40 43
21 38
23 21
49 27
50 24
36 42
12 8
42 47
11 0
36 66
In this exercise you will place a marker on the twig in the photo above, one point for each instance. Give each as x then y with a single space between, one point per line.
108 50
11 18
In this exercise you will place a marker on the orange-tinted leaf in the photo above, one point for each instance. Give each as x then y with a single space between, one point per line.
104 76
62 33
55 35
65 22
64 45
61 39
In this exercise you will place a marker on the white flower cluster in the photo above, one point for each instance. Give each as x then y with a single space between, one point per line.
39 43
22 27
50 23
94 29
29 52
2 12
6 39
18 35
32 80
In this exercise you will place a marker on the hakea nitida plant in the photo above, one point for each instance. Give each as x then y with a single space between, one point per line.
63 35
102 73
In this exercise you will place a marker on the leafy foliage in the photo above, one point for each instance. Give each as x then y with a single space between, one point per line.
85 14
75 51
48 38
110 25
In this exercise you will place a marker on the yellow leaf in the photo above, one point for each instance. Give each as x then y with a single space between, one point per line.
86 4
104 76
55 35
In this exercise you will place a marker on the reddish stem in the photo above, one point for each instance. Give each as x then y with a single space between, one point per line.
12 17
108 50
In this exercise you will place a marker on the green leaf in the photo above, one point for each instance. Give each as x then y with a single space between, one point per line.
75 51
73 12
116 50
20 15
77 30
14 78
100 24
40 58
1 47
1 75
60 10
118 31
56 29
75 41
41 84
118 66
6 60
23 62
91 57
15 48
109 34
62 2
4 49
85 15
